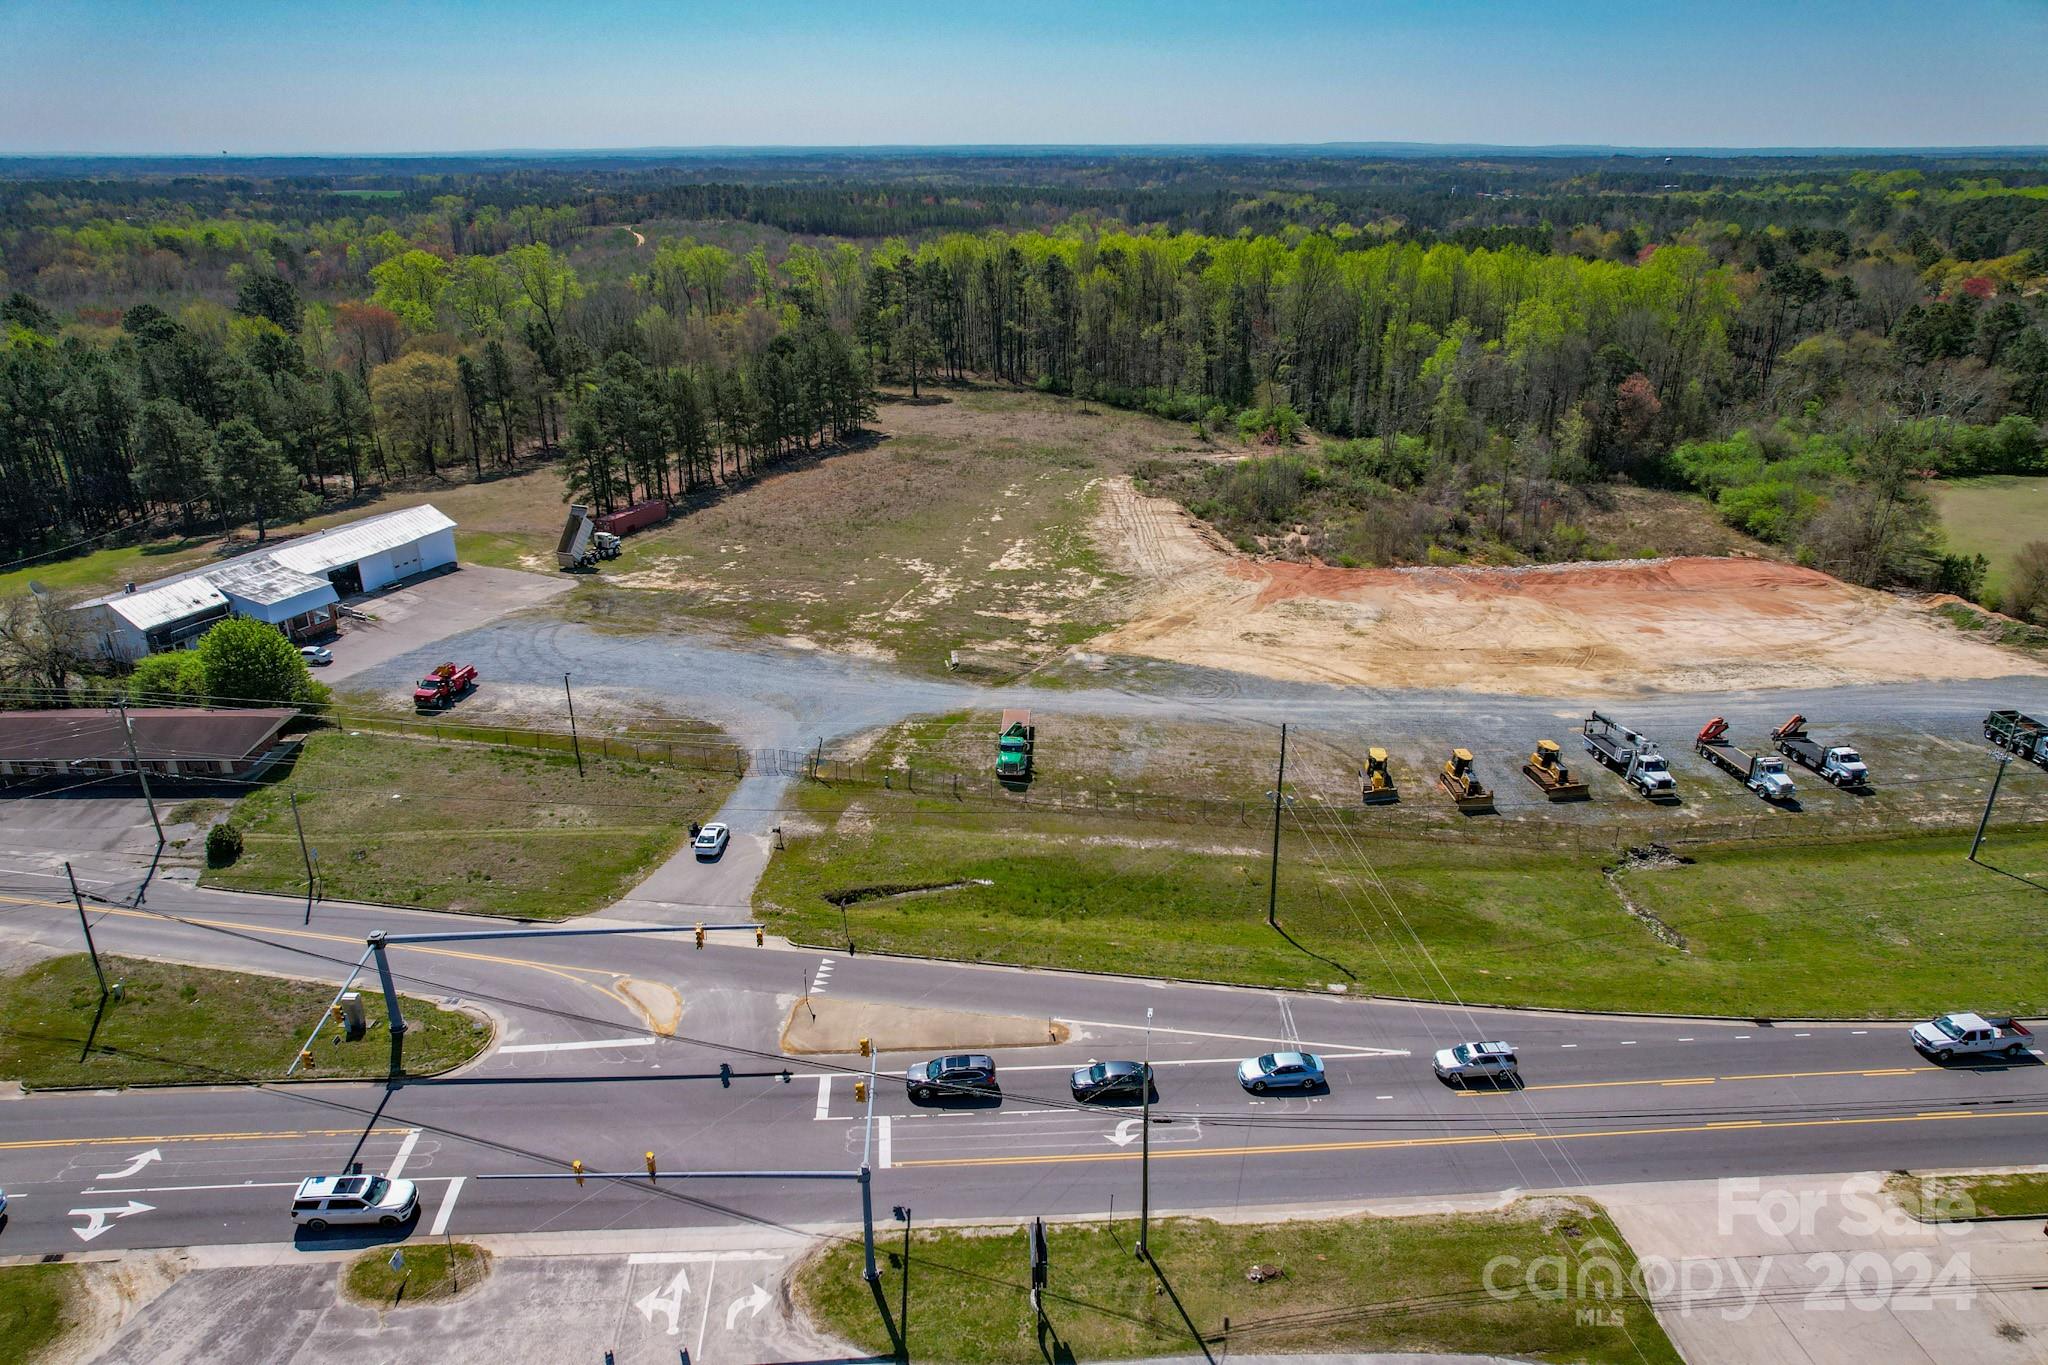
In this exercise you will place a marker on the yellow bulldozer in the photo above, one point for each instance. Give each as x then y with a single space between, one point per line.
1546 769
1461 780
1378 779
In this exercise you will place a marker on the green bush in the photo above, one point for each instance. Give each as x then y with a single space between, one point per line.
223 845
249 663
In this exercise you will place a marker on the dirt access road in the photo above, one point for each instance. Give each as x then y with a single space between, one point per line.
1685 625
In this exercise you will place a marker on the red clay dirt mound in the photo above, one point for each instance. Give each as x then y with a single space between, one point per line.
1696 624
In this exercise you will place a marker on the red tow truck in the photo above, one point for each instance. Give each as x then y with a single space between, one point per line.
443 686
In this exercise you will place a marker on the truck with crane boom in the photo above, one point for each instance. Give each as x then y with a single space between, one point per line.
1838 763
1763 774
1630 753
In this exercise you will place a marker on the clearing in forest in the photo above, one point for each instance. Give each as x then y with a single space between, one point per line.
959 531
1686 624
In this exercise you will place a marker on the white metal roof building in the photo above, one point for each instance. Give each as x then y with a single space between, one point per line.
297 586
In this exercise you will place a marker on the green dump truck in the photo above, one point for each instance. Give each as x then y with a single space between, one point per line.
1013 747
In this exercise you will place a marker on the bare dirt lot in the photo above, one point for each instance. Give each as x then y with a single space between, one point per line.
1680 624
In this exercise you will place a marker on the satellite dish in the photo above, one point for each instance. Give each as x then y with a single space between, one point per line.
36 589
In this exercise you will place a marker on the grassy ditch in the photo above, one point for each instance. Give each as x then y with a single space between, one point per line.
466 826
197 1026
39 1305
1362 1284
433 1271
1864 929
1944 1198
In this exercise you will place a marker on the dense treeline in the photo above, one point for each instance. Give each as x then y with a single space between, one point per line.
1477 338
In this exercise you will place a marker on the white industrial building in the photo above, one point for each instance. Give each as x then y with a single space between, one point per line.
297 586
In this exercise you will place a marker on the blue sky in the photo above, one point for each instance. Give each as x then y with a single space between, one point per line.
348 76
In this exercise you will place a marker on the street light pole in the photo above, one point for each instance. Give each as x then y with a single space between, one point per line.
86 925
305 853
1145 1147
1273 875
128 732
574 742
1985 819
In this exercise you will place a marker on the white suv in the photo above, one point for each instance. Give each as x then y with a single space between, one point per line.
324 1199
1468 1062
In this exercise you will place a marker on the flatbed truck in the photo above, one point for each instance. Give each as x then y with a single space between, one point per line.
1838 763
1763 774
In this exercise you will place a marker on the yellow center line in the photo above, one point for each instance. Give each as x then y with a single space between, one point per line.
1461 1140
274 1136
1711 1080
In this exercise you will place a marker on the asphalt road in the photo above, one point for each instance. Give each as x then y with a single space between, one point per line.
578 1075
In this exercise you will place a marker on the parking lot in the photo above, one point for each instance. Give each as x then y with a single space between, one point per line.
383 625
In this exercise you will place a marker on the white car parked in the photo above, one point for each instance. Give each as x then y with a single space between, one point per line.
324 1199
316 654
711 840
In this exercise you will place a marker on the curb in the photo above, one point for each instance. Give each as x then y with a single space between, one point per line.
202 885
1366 997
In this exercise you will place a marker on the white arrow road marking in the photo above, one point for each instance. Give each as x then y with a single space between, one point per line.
667 1301
1126 1132
134 1166
756 1300
97 1218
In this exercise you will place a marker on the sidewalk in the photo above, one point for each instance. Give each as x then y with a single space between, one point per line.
1828 1270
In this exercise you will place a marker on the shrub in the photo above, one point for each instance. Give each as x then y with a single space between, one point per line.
248 663
223 845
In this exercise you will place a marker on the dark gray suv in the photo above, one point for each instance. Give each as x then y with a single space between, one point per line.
970 1075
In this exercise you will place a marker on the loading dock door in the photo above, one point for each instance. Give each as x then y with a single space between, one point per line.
347 581
405 562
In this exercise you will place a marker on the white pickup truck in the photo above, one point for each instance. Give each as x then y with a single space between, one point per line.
1966 1035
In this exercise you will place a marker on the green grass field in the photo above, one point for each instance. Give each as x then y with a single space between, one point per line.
1862 929
37 1307
1993 516
467 826
1363 1284
196 1026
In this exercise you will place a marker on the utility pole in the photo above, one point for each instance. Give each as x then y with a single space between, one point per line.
1996 778
86 925
305 853
1145 1148
1273 876
128 732
574 742
392 1014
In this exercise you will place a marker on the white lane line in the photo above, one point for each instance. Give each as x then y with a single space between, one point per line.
1685 1040
884 1142
1204 1061
1383 1097
1742 1037
589 1045
404 1155
1567 1045
1235 1037
1802 1035
824 1110
447 1209
1855 1031
173 1189
1629 1043
699 1257
705 1321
